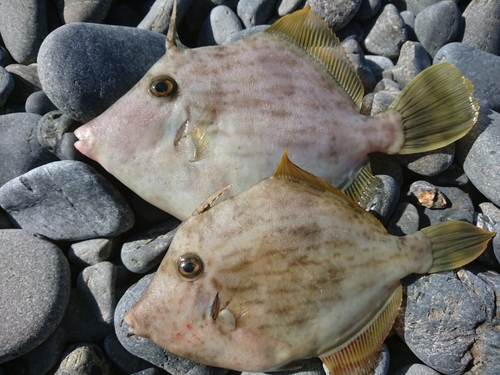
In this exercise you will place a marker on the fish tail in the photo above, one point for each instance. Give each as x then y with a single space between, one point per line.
437 107
455 243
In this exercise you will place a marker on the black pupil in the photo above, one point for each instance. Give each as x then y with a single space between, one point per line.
161 87
188 267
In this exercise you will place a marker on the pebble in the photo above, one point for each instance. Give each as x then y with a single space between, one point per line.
460 208
93 207
158 17
378 65
404 220
26 81
336 14
145 250
6 85
386 34
382 100
438 25
91 252
96 285
409 19
416 6
122 359
489 209
412 60
115 58
19 149
55 133
84 359
429 163
482 22
479 67
220 25
83 11
416 369
255 12
440 317
34 290
427 195
386 84
148 350
246 33
39 103
367 9
23 25
284 7
357 57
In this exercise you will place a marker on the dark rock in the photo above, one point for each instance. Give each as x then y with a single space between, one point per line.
122 359
83 11
55 133
368 9
384 201
404 220
6 85
39 103
26 82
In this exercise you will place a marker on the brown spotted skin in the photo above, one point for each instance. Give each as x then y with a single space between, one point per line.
299 269
267 94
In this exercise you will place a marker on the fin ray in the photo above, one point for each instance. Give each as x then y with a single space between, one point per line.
363 187
202 133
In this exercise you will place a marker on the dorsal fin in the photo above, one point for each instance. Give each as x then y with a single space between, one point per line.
171 34
311 33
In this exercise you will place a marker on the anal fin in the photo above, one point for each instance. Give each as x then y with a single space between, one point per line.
359 356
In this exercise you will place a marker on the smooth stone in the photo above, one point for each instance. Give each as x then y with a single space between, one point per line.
416 369
45 356
66 200
90 252
39 103
26 82
148 350
96 285
438 25
115 59
490 210
83 11
482 22
80 324
382 100
460 208
409 19
84 359
386 34
440 315
6 85
55 133
255 12
336 14
220 25
158 17
379 64
492 278
367 103
384 201
412 60
122 359
34 290
404 220
284 7
416 6
23 25
429 163
479 153
479 67
20 151
368 9
425 194
357 58
144 251
245 33
386 84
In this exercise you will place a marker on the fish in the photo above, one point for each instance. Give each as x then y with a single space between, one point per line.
203 118
289 269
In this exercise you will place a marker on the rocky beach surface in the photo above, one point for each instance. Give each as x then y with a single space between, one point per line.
78 249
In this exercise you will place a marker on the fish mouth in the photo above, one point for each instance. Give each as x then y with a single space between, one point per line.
214 309
85 140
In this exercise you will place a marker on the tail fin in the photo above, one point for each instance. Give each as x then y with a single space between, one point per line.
437 107
455 243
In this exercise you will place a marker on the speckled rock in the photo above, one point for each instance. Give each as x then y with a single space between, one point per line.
336 14
83 11
84 359
34 290
93 207
429 163
482 22
83 85
220 25
91 252
55 133
382 100
412 60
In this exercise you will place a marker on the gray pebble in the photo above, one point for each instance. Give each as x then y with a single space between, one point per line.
429 163
416 369
368 9
357 58
145 250
115 58
438 25
284 7
158 17
379 64
83 11
490 210
386 84
84 359
220 25
381 101
39 103
409 19
386 34
34 290
26 82
440 315
148 350
96 285
92 206
90 252
6 85
482 22
336 14
416 6
479 67
80 324
245 33
23 25
404 220
255 12
413 58
19 149
351 31
479 152
122 359
55 133
384 201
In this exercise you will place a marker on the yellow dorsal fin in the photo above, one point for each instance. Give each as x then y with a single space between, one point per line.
359 356
363 187
312 34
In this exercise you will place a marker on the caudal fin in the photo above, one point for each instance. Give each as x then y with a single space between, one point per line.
437 107
455 243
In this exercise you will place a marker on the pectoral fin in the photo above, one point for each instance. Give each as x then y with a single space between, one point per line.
203 133
359 356
363 187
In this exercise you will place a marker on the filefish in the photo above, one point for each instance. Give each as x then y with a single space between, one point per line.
203 118
289 269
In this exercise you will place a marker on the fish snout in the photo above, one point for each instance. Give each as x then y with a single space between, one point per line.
85 140
131 321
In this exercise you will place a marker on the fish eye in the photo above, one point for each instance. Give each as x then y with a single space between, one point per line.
190 266
163 86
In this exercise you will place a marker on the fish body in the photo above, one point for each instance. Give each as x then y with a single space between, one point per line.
203 118
288 269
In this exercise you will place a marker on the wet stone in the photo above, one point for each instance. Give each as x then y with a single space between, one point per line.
93 206
34 290
84 359
91 252
412 60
